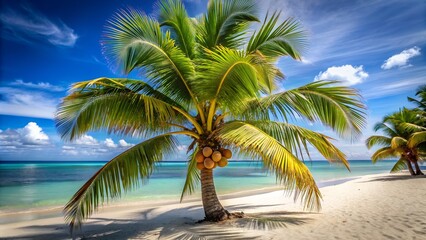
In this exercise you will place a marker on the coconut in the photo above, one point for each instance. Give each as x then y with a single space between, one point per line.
216 156
227 153
207 151
208 163
223 162
199 157
200 166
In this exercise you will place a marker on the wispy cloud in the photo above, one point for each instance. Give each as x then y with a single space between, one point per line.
347 74
401 59
394 88
90 146
27 25
41 85
18 102
340 31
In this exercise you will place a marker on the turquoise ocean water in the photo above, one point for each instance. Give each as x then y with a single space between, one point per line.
38 185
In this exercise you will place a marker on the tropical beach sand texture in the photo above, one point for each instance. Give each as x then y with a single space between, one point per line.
380 206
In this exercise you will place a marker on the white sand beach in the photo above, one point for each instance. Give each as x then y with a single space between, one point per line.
384 206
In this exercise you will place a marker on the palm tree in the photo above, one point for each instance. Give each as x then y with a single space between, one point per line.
203 80
404 139
421 93
421 104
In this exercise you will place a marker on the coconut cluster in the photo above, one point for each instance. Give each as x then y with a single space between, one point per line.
208 158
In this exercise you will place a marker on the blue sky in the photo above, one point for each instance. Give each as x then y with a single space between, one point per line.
376 47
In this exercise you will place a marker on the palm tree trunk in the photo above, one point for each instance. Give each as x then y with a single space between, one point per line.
410 167
212 207
418 171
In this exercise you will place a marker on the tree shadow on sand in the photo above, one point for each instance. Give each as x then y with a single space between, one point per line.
174 224
388 178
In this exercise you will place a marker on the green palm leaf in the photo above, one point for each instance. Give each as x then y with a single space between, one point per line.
227 77
378 140
416 139
399 166
192 176
384 153
288 169
335 106
411 127
172 13
388 130
296 138
136 41
267 74
225 23
275 40
398 142
120 174
98 104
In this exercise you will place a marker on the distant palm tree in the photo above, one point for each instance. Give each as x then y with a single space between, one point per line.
404 138
203 80
421 103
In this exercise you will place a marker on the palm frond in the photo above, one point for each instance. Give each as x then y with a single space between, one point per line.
399 166
268 74
296 138
227 77
110 104
192 176
121 174
135 40
289 170
411 127
336 106
384 153
172 13
420 103
416 139
225 23
388 130
398 142
276 40
378 140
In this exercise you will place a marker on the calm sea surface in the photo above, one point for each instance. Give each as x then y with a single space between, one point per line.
33 185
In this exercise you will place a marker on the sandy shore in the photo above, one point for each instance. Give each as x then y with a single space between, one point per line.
370 207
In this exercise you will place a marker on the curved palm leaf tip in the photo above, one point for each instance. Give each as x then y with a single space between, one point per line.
208 79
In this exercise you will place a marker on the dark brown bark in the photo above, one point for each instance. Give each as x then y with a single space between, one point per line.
418 171
212 207
410 167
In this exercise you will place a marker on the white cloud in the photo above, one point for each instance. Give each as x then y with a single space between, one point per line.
17 102
40 85
70 150
86 140
123 143
110 143
401 59
27 25
90 146
348 74
32 134
29 136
